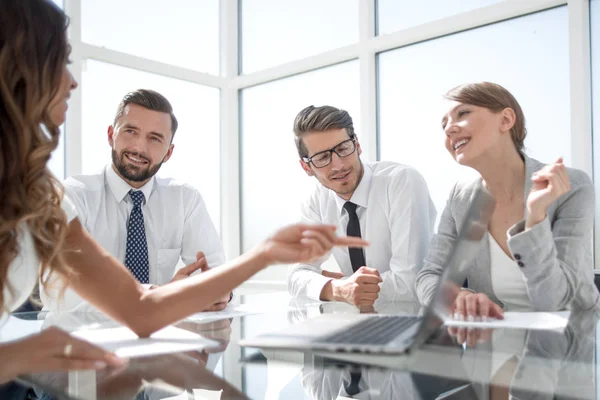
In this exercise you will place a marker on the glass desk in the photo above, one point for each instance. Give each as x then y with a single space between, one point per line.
502 363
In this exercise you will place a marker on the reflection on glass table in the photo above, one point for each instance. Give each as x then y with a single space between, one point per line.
526 364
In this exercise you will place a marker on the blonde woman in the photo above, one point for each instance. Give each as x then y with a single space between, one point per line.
537 254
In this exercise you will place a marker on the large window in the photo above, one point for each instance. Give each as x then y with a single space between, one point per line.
273 185
196 157
529 56
395 15
183 33
274 32
392 89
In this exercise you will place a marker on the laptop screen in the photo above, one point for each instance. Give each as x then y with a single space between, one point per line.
470 233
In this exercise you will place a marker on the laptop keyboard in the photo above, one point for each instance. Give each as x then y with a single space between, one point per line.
375 331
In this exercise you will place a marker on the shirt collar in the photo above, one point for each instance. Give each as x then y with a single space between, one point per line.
120 188
360 197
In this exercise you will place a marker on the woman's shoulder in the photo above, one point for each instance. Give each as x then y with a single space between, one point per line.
465 188
578 177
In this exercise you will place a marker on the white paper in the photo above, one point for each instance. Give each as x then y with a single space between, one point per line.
521 320
230 311
125 343
204 394
12 328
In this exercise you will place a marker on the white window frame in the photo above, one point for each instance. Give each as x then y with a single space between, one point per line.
365 50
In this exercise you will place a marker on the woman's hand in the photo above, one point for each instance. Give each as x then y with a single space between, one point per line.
549 183
305 243
471 336
468 306
52 350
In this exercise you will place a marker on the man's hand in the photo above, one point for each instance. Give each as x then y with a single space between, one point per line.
199 264
360 289
334 275
202 265
220 304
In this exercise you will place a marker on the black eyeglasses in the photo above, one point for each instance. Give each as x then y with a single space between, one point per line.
323 158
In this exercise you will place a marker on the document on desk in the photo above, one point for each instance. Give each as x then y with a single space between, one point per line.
521 320
125 343
231 311
12 328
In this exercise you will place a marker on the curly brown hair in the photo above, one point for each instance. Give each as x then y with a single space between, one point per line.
33 55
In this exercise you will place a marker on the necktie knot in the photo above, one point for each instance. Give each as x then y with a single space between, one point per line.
350 207
137 196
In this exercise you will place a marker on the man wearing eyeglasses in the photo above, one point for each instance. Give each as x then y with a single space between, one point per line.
386 203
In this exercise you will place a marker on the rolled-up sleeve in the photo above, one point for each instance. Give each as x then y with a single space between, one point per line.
305 279
411 219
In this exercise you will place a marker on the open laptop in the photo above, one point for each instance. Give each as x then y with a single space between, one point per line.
390 334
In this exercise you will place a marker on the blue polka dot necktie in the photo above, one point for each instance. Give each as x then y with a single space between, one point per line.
136 253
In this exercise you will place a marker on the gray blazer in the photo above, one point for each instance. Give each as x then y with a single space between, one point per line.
555 256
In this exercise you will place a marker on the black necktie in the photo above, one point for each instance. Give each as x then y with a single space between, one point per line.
352 388
357 256
357 259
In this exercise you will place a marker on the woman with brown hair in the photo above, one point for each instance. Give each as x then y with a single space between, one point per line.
537 253
39 230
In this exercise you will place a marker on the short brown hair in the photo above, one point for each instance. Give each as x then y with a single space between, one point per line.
151 100
495 98
320 119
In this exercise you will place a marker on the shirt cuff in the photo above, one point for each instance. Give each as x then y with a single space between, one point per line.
316 285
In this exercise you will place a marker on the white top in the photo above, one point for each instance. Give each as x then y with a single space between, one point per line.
176 221
396 216
24 271
508 280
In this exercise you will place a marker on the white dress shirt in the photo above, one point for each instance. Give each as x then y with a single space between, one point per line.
24 270
396 217
176 221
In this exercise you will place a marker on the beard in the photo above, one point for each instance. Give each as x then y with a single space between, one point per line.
133 173
343 190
